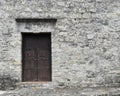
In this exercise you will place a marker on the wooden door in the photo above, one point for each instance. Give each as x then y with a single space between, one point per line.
36 52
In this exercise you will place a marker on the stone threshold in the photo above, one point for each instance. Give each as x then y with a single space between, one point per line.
33 82
35 85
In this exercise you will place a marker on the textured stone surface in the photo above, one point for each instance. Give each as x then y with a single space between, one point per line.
85 39
63 92
7 83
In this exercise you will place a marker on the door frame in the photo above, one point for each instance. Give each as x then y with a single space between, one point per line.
22 56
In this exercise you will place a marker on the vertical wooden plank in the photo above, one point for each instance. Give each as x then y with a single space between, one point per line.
29 62
44 58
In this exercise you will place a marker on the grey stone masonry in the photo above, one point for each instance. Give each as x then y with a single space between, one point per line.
63 92
85 40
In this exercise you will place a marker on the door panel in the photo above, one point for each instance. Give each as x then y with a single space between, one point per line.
44 75
29 59
36 57
30 75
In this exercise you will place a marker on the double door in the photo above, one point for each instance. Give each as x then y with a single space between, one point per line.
36 50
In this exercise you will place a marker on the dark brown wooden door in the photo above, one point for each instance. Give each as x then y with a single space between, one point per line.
36 49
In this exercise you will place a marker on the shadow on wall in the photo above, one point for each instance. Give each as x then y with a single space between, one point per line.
7 82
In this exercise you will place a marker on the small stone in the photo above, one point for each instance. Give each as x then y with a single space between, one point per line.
27 10
90 36
61 84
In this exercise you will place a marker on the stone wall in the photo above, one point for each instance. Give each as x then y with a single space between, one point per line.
85 39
